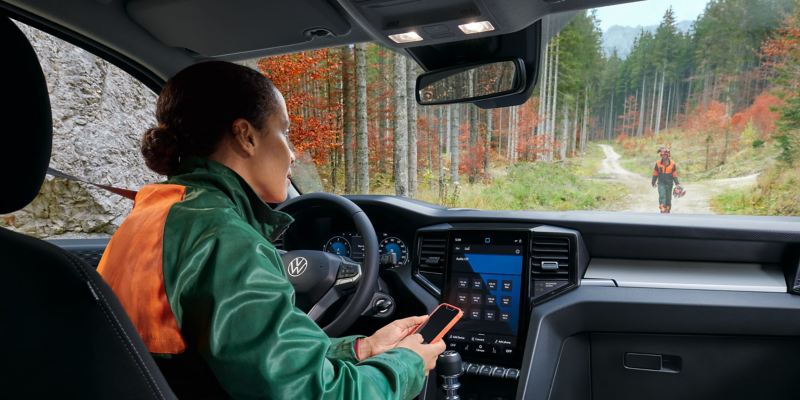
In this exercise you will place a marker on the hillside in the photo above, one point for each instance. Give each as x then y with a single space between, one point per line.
621 38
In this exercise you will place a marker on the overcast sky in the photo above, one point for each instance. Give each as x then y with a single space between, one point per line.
648 12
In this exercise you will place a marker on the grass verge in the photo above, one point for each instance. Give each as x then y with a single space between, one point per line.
557 186
776 194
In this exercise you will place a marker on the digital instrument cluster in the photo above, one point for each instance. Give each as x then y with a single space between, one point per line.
393 250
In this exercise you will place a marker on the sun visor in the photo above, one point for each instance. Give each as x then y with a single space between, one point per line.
212 28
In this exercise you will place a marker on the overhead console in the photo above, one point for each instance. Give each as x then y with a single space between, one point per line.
496 273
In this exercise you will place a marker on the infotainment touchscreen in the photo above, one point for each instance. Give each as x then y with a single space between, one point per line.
485 280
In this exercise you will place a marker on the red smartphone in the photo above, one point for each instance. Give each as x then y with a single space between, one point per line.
441 320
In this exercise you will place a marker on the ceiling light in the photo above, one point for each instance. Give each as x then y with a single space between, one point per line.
406 37
476 27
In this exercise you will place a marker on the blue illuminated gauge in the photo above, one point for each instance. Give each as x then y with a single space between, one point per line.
394 245
338 245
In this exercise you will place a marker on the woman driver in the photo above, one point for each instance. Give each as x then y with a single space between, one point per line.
195 271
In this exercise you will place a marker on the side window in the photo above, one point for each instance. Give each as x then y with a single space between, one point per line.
99 115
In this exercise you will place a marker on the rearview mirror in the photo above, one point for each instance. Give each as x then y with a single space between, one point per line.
472 82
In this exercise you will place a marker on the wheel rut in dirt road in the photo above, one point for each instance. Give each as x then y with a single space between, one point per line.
644 198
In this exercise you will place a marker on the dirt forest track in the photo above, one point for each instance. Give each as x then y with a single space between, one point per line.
644 198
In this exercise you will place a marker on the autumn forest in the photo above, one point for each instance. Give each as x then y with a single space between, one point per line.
723 95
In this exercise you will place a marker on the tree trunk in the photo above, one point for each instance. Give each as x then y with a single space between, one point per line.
543 90
488 145
706 89
361 121
430 136
565 134
411 80
439 152
400 128
349 118
653 105
669 108
455 130
333 104
382 106
510 134
473 139
573 143
552 133
640 129
611 117
660 102
584 135
449 129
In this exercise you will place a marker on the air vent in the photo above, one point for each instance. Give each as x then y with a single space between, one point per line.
431 259
550 256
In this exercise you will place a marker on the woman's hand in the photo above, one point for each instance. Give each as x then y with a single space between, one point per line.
388 337
428 352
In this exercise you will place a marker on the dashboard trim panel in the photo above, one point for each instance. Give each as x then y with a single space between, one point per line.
746 277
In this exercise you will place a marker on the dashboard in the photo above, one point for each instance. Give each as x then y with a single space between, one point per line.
494 272
541 291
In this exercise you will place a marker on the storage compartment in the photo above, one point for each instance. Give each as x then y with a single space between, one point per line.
653 367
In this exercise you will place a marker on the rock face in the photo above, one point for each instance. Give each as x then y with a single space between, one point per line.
99 115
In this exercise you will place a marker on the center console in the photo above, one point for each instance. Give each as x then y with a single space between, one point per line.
486 279
496 273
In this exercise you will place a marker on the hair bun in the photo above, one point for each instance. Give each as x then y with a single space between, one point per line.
160 150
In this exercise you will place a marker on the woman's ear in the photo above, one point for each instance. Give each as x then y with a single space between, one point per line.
244 136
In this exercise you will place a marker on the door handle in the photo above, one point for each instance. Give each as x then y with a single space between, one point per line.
652 362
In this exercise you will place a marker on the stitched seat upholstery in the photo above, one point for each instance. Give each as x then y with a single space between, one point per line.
63 334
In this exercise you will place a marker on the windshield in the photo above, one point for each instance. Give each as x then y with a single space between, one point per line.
672 107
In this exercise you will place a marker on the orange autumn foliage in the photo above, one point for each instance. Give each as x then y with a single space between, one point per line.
294 75
761 113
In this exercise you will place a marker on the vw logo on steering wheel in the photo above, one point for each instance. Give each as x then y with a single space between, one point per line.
297 266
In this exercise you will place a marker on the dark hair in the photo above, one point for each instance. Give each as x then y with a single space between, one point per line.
196 109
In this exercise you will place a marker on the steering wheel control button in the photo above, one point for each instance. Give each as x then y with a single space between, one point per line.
349 273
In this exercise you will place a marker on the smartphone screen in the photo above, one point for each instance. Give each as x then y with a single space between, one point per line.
437 322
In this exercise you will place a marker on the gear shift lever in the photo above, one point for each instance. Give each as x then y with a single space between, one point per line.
448 366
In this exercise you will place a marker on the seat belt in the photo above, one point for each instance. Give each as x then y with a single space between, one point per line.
126 193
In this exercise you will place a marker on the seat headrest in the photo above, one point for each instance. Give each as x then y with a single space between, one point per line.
27 125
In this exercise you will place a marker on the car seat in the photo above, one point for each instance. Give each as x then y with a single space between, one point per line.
64 334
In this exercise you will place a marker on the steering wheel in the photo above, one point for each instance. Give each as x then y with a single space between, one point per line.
320 278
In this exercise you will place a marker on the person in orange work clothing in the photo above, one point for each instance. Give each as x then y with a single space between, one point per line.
194 267
665 174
